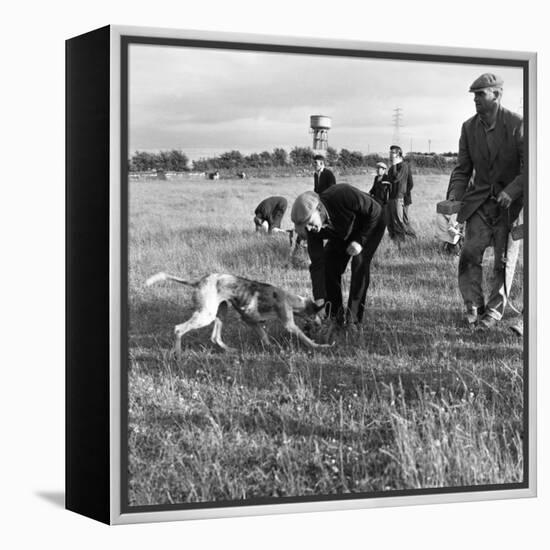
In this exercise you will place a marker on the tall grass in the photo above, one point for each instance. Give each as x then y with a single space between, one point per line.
410 400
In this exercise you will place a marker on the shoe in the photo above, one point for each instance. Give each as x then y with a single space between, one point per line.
473 314
487 322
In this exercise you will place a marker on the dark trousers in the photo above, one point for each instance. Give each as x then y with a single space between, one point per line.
336 261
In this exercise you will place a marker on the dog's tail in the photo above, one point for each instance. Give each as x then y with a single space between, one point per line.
166 277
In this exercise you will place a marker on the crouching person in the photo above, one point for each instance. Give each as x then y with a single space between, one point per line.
270 212
352 223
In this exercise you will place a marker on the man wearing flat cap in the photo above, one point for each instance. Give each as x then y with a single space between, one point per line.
352 223
491 150
323 178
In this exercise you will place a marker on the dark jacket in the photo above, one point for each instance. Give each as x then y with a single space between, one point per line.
401 179
271 209
324 181
500 171
353 216
380 189
270 205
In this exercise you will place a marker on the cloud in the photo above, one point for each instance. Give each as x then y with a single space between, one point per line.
190 95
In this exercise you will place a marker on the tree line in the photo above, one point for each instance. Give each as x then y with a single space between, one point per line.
178 161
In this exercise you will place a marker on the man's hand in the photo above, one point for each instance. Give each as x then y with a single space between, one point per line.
354 248
504 199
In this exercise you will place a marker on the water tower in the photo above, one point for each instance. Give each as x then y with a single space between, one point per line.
320 125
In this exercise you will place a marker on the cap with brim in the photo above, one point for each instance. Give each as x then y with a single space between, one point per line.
302 209
486 80
381 165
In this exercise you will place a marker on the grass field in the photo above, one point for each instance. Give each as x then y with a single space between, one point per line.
411 400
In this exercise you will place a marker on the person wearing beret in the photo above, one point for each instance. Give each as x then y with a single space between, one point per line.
270 210
491 149
323 178
352 224
380 189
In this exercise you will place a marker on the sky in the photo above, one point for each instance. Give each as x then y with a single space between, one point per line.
203 100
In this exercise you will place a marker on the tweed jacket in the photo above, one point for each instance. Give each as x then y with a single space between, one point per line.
501 170
323 181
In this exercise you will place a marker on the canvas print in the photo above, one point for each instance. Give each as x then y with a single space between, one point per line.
325 262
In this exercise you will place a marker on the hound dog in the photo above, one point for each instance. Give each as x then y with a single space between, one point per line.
254 301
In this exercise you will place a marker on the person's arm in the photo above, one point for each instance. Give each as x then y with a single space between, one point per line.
367 213
462 172
514 189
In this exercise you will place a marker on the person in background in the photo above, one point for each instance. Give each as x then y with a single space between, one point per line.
380 189
270 211
491 144
400 198
323 178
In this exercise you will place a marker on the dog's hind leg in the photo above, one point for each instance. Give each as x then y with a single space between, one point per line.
216 336
199 319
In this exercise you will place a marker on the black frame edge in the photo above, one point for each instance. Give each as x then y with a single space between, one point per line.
87 420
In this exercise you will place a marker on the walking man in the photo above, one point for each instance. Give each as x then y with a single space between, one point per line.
491 148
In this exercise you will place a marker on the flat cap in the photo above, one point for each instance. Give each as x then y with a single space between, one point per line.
381 165
486 80
302 209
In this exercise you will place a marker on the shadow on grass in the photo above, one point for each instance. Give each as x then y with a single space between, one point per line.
399 334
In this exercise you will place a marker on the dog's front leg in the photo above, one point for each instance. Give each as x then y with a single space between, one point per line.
260 331
295 329
216 336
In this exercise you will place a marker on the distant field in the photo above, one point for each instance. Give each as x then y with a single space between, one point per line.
414 400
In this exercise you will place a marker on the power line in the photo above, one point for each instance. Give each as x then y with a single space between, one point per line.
397 124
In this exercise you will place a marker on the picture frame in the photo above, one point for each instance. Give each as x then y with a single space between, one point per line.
111 337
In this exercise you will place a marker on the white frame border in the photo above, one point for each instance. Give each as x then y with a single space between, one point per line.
116 516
